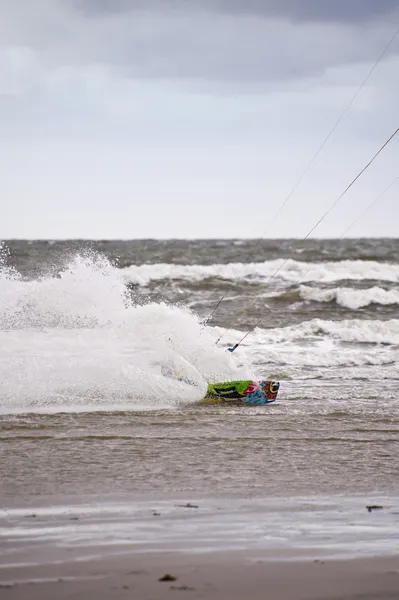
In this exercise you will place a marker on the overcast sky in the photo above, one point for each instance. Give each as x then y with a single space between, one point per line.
195 118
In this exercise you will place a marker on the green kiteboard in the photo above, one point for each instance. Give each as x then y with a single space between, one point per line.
242 392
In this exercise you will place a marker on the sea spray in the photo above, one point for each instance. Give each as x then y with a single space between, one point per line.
78 337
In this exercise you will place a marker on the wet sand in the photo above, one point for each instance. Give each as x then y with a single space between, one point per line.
214 576
235 550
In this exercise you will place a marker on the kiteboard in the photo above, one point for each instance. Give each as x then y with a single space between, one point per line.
244 392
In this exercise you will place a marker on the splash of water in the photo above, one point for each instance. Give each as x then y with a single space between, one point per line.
77 340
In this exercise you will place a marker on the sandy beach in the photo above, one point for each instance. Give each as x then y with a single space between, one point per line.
214 576
209 549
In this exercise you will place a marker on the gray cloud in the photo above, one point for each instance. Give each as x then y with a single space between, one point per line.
226 49
314 10
342 11
207 44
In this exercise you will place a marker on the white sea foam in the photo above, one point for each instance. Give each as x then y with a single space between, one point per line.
320 344
292 271
349 330
351 298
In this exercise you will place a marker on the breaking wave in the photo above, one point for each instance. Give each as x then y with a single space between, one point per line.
356 331
292 272
351 298
324 344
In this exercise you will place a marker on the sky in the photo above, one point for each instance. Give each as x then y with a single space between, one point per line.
196 118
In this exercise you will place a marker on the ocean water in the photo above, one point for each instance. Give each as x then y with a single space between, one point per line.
85 411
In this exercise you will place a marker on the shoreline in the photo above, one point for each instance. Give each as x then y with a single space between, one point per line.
289 528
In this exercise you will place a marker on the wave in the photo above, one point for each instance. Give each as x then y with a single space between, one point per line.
322 343
292 271
77 340
351 298
356 331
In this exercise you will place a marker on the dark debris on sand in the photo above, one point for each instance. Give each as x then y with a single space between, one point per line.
373 507
167 577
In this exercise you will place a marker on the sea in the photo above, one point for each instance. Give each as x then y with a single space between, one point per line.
90 425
